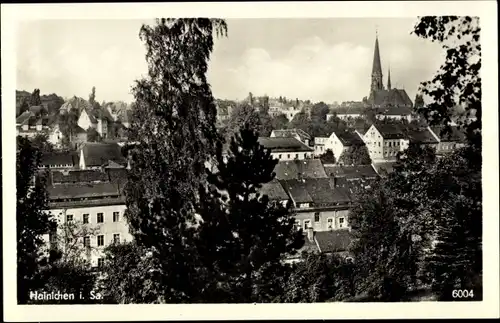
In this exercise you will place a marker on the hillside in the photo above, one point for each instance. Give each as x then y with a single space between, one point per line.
52 101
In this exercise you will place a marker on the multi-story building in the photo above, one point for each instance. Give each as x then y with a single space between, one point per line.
385 141
287 148
95 155
96 119
338 142
89 210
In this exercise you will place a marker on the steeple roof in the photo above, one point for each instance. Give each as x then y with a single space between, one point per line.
389 79
377 68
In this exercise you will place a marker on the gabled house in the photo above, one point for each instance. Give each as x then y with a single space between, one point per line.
59 160
384 141
449 139
299 169
338 142
94 155
423 137
97 119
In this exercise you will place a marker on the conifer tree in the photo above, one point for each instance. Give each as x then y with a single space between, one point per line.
244 235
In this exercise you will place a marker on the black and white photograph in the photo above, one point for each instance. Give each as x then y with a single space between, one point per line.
236 157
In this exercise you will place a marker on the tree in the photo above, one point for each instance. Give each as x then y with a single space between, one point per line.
279 122
319 278
319 111
93 135
243 114
243 236
24 106
69 270
358 155
41 143
174 125
32 221
458 81
35 98
419 102
328 157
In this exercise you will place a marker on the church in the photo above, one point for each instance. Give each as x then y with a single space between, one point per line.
381 97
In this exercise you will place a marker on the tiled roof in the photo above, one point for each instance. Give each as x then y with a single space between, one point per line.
291 133
362 129
59 158
349 138
385 166
284 145
72 191
79 129
297 190
422 136
333 241
79 176
396 97
274 191
319 191
453 135
351 172
390 131
309 168
23 118
98 154
394 111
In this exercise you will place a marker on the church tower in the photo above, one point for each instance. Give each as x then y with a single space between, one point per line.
377 77
389 78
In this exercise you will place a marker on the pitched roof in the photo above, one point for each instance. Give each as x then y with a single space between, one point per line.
59 158
383 167
390 131
395 97
452 135
422 136
284 144
319 191
394 111
23 118
297 191
98 154
295 169
351 172
333 241
79 176
349 138
71 191
274 191
291 133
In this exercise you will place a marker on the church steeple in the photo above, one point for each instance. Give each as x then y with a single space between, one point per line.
377 77
389 78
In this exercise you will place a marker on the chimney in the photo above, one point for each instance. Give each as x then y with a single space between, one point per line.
310 234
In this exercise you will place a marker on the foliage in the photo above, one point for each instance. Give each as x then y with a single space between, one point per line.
243 114
41 143
35 98
93 135
320 278
243 235
328 157
279 122
319 111
458 81
174 125
32 219
358 155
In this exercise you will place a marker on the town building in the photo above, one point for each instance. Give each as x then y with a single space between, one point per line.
89 209
338 142
384 141
287 148
96 155
299 169
298 134
96 119
449 139
349 110
59 160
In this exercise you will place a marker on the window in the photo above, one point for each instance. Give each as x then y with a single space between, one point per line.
86 242
116 216
100 217
279 156
100 240
390 144
307 224
86 218
316 217
69 217
305 155
288 156
297 225
379 143
341 222
116 238
100 262
330 223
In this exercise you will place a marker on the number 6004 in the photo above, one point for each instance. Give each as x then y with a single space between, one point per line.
462 293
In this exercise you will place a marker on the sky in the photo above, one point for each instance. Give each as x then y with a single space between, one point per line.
326 60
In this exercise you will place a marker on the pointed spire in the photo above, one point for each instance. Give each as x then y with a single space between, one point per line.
389 78
376 69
